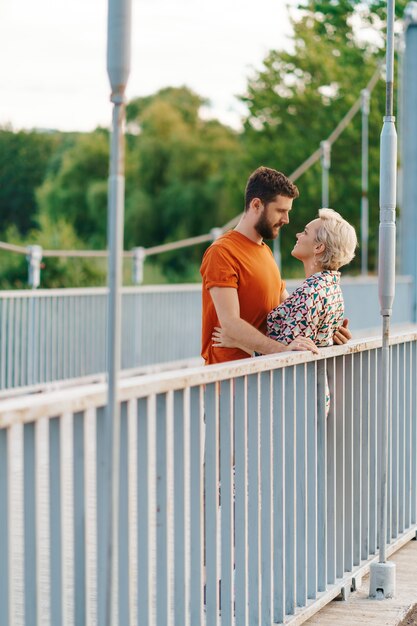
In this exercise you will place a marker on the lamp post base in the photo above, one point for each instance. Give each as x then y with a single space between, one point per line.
382 580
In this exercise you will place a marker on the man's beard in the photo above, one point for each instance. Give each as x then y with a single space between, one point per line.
264 228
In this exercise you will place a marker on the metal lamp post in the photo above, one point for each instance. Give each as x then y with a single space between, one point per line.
364 199
118 68
325 167
382 574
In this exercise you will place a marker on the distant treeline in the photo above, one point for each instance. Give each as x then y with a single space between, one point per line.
186 174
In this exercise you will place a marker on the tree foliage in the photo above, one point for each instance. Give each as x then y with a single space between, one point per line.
298 97
183 176
24 157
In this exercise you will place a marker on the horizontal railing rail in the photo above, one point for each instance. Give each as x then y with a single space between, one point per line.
243 493
60 334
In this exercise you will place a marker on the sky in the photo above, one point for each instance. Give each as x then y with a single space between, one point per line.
53 56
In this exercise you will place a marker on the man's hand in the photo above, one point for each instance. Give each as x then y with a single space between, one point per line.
343 334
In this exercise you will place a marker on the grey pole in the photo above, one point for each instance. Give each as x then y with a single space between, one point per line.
118 68
325 166
34 258
408 255
382 574
364 198
139 256
277 250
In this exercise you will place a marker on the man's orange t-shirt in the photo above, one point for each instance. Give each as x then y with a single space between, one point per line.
235 261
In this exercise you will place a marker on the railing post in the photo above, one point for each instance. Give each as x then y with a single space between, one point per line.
139 256
34 258
216 233
382 574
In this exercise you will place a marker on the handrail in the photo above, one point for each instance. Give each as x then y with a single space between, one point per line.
30 408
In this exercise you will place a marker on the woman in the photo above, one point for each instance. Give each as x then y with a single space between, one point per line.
316 308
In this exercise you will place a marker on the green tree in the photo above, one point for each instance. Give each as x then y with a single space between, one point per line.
75 188
183 176
298 98
24 158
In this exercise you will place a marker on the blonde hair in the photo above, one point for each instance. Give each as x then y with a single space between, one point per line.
339 239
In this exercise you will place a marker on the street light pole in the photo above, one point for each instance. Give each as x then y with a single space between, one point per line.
118 68
364 198
382 574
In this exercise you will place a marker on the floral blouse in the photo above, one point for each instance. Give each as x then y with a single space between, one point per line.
314 310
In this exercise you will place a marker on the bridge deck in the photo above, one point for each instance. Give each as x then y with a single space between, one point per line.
359 609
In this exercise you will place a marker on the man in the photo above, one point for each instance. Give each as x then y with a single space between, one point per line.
241 281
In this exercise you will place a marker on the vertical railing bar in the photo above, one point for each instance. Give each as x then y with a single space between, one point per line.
278 506
212 503
41 336
3 343
132 486
311 417
331 473
401 435
395 442
180 555
373 456
123 571
162 584
170 513
55 521
321 476
67 518
42 521
80 587
141 436
9 359
196 505
301 484
413 417
340 447
266 403
253 500
153 471
4 523
408 368
23 343
290 502
90 507
30 525
349 463
241 495
365 382
226 498
390 436
16 360
357 457
16 526
186 485
53 339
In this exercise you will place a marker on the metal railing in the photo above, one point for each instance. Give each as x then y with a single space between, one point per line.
239 496
60 334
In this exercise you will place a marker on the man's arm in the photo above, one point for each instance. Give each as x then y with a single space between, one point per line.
226 303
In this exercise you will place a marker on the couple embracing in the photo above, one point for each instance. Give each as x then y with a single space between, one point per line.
246 307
